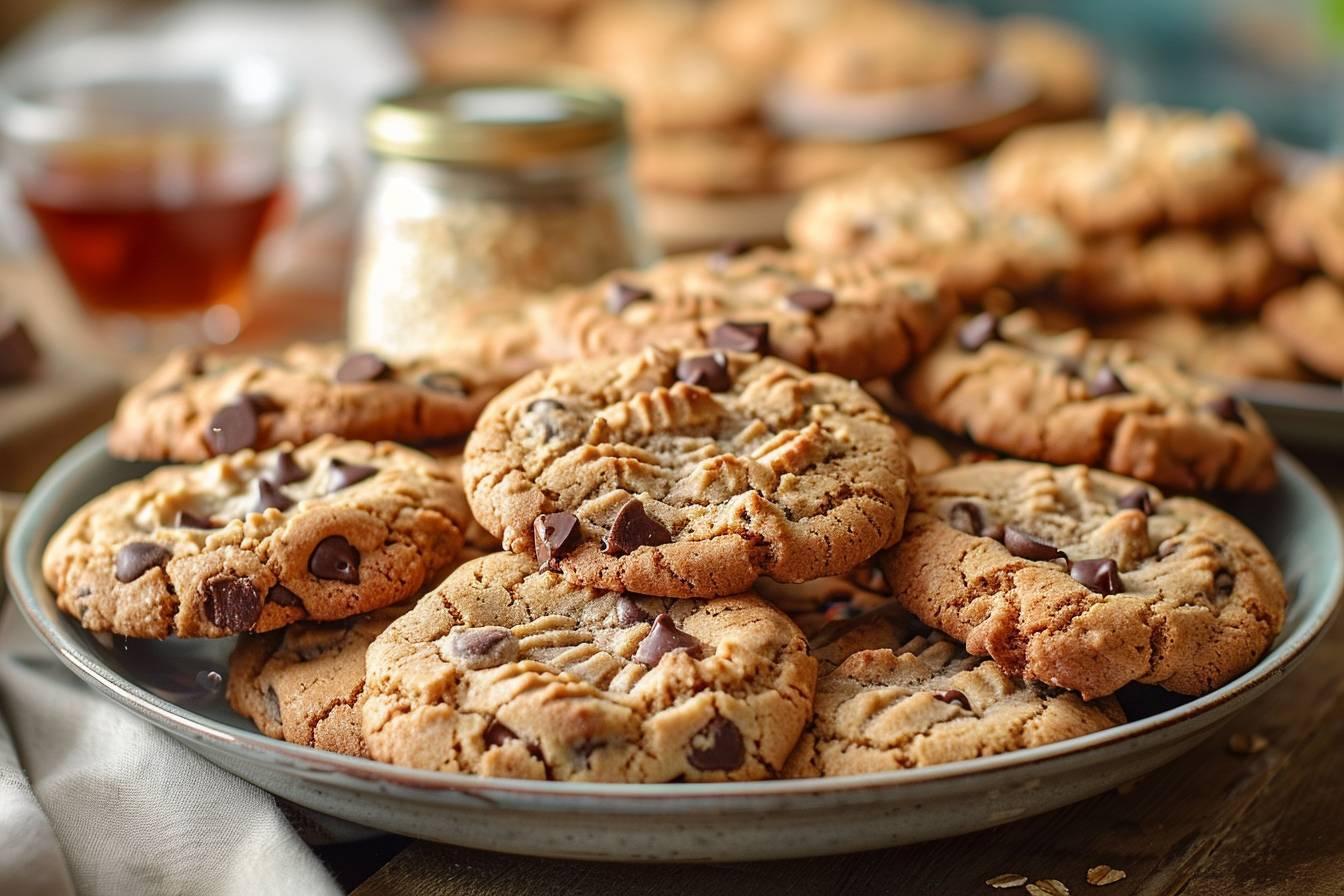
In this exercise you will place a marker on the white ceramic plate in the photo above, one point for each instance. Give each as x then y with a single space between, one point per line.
161 682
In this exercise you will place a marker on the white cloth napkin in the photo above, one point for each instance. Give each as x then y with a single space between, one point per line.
95 801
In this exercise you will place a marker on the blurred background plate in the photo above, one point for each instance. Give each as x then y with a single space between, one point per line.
166 684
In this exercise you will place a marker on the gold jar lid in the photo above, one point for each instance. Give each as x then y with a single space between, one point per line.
498 122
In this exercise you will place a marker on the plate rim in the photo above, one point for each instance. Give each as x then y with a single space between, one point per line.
27 538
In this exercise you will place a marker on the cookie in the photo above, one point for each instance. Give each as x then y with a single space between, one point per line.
1310 320
823 607
680 222
1231 349
1063 64
1072 399
721 162
1085 580
926 702
505 670
1144 167
847 317
196 406
801 164
1306 221
1227 270
255 541
305 683
686 474
889 216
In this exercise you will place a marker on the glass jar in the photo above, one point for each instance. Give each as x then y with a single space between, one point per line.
485 192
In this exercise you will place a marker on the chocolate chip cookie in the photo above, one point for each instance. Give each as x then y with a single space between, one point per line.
846 316
1210 271
1226 348
926 702
1310 320
899 218
196 406
687 474
1070 398
820 607
1144 167
509 671
254 541
1086 580
1306 221
305 683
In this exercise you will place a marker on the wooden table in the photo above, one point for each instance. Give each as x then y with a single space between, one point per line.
1218 821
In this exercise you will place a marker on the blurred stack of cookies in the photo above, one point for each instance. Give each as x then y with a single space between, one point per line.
737 105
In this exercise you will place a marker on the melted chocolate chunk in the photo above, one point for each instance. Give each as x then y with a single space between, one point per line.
741 336
978 331
335 560
232 428
718 747
363 367
1138 498
443 381
952 695
544 411
1020 544
185 519
268 495
282 596
286 470
633 528
968 517
663 638
497 734
816 301
139 557
344 475
482 648
232 603
1106 382
628 612
1101 576
706 371
622 295
553 536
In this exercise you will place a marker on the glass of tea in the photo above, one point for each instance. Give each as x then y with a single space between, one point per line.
152 182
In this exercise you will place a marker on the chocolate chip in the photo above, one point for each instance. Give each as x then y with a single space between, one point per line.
19 356
1070 366
232 603
497 734
1223 583
335 560
481 648
622 295
1106 382
663 638
628 612
268 495
967 516
282 596
977 331
261 402
1137 499
443 381
139 557
721 748
232 428
706 371
995 532
1020 544
1101 576
633 528
344 475
554 535
1226 408
727 252
185 519
741 336
545 409
952 695
286 469
363 367
817 301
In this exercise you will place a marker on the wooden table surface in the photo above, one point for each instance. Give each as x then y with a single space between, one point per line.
1217 821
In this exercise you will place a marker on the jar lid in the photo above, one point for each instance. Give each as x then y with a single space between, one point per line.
498 122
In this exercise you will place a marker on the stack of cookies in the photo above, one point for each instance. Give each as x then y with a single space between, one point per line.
694 547
735 106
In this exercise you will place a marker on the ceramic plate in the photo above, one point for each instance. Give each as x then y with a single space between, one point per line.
163 683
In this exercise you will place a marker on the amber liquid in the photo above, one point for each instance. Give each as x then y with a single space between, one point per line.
124 246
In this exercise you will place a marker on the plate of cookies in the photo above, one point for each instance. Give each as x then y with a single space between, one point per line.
681 586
